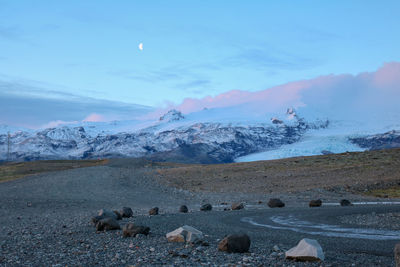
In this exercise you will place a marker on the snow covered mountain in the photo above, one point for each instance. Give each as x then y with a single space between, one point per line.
209 136
172 135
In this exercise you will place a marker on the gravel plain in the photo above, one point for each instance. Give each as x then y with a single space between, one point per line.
45 221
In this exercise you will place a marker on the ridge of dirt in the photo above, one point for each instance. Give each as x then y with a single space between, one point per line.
356 172
15 170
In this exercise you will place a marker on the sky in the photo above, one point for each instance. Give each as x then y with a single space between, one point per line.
80 60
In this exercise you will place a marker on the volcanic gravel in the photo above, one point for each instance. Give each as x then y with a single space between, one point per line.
390 220
45 221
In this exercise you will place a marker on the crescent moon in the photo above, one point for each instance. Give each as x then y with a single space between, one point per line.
141 46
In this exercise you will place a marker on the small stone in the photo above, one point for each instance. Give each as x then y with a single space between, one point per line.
315 203
237 206
345 202
276 248
153 211
183 209
206 207
306 250
275 203
126 212
235 243
152 249
107 224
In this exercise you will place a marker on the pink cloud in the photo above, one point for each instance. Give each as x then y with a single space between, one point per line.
322 92
94 117
388 76
56 123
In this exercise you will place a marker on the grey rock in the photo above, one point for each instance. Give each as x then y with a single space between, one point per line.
237 243
183 209
275 203
132 230
306 250
153 211
345 202
315 203
206 207
108 214
126 212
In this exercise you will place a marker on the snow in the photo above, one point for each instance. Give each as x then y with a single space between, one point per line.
313 143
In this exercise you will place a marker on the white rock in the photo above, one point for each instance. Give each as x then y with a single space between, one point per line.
185 234
306 250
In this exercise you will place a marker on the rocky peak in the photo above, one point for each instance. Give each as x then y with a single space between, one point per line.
172 115
291 113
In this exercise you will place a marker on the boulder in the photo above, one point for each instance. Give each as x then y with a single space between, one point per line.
206 207
238 243
153 211
185 234
397 254
306 250
345 202
107 224
183 209
108 214
126 212
119 216
315 203
237 206
132 230
275 203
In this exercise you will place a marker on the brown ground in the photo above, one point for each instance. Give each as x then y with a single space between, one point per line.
10 171
357 172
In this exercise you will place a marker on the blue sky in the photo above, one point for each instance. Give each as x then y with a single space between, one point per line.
87 51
